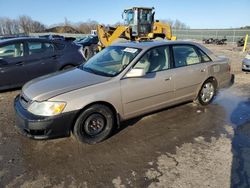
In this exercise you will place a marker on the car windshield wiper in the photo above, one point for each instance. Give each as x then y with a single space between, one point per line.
96 71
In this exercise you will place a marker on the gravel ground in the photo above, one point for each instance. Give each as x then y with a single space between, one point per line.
183 146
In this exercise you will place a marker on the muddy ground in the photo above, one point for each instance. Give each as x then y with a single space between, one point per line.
183 146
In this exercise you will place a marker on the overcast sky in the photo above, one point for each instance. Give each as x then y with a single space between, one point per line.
194 13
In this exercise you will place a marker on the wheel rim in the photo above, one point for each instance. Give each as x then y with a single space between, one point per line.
207 92
94 124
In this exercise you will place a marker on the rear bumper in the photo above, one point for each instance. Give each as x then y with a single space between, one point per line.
39 127
228 83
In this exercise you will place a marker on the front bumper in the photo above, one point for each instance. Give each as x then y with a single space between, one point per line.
39 127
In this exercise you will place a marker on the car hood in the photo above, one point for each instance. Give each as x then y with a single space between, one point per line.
46 87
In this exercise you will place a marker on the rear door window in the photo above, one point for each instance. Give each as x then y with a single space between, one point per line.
40 48
185 55
11 50
204 56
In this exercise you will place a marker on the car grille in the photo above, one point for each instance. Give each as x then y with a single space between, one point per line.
25 101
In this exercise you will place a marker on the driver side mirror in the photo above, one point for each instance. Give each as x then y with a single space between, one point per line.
135 72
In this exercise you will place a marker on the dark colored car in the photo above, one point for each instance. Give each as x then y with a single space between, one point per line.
22 59
52 37
88 43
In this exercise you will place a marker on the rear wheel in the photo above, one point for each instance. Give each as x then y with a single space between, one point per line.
88 52
207 92
94 124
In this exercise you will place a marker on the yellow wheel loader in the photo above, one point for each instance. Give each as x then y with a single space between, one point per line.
139 26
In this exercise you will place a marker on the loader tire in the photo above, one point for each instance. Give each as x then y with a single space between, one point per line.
158 39
120 40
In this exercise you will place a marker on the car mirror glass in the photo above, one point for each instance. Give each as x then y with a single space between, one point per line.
135 72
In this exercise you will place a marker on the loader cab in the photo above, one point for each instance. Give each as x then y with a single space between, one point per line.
140 20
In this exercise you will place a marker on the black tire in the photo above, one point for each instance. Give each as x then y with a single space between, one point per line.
120 40
88 52
158 39
94 124
206 98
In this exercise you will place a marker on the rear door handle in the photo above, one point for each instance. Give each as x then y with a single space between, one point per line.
167 79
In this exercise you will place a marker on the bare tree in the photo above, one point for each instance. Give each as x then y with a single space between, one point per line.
86 27
27 25
177 24
37 27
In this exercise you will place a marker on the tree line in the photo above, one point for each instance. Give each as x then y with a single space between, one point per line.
25 24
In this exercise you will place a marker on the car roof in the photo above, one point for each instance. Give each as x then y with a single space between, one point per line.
150 44
145 45
23 39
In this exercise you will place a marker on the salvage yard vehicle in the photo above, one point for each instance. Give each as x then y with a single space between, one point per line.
241 42
22 59
215 41
246 63
140 25
121 82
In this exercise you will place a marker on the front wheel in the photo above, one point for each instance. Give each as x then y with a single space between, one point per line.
94 124
207 92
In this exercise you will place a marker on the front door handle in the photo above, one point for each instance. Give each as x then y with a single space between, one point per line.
203 70
20 63
168 79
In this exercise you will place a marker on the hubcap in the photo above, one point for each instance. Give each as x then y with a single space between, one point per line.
207 92
94 124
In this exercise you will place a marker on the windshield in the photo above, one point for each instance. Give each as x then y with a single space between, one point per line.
145 16
129 17
110 61
85 39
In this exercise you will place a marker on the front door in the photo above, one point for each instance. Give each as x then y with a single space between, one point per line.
152 91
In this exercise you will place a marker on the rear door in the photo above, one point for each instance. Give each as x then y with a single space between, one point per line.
152 91
190 71
41 59
12 71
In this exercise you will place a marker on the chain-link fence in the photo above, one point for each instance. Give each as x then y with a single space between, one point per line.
232 35
62 34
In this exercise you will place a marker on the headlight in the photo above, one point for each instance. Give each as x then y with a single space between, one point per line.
46 108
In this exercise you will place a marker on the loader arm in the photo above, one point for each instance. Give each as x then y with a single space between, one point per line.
107 38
